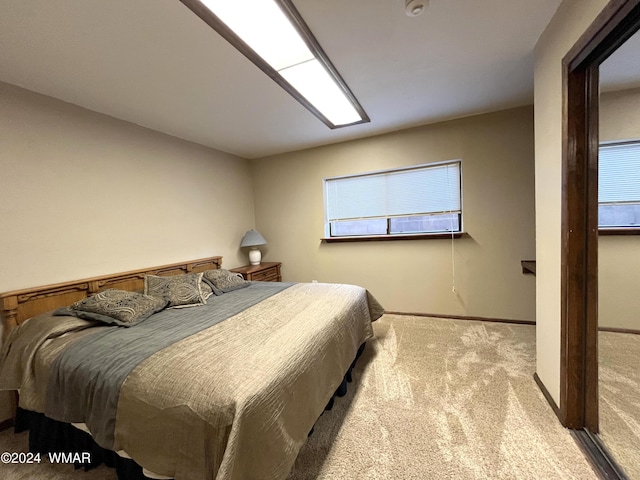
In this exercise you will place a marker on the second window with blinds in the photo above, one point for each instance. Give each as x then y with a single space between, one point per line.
619 186
422 199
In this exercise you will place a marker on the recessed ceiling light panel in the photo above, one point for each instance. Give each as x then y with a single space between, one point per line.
273 35
313 82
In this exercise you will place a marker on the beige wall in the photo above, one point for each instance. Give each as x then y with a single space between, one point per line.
620 115
415 276
568 24
618 256
84 194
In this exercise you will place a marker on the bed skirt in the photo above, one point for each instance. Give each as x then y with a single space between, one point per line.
47 435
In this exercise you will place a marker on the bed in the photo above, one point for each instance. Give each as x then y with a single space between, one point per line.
228 389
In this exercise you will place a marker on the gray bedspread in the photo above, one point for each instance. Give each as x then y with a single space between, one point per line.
228 390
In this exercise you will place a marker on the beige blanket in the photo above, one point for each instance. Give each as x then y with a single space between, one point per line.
234 401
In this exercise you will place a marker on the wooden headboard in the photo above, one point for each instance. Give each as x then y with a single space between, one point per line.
19 305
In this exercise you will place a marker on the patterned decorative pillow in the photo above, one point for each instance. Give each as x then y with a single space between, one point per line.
115 307
180 290
215 290
207 290
224 280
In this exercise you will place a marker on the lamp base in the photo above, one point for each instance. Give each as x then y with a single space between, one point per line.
255 256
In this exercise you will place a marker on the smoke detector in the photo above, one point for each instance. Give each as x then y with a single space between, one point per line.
413 8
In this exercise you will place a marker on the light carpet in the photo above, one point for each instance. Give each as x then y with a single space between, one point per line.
443 399
432 399
619 405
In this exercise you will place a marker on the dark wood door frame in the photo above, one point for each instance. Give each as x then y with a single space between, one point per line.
578 409
619 20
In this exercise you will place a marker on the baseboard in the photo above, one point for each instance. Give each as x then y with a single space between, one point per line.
463 317
619 330
547 396
598 455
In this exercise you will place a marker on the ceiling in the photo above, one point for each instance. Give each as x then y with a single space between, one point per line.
156 64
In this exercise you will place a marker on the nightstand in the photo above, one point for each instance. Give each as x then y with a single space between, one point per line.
265 272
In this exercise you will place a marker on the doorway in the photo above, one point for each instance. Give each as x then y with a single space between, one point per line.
579 257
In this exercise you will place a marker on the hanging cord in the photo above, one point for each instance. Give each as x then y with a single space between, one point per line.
453 248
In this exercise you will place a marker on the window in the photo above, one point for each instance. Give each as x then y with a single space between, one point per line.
619 185
409 201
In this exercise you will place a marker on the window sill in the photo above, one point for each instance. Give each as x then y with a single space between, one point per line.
386 238
619 231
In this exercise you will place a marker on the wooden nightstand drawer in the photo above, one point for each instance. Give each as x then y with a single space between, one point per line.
265 272
270 275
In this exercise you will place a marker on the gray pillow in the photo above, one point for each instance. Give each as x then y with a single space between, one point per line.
224 281
179 290
115 307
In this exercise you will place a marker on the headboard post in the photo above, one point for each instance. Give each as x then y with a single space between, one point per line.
9 313
94 287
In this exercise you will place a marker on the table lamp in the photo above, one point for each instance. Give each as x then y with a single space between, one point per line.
252 239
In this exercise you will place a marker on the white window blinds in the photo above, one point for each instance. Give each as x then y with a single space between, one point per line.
619 173
417 191
619 185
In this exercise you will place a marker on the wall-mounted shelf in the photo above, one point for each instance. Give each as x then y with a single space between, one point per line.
528 266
